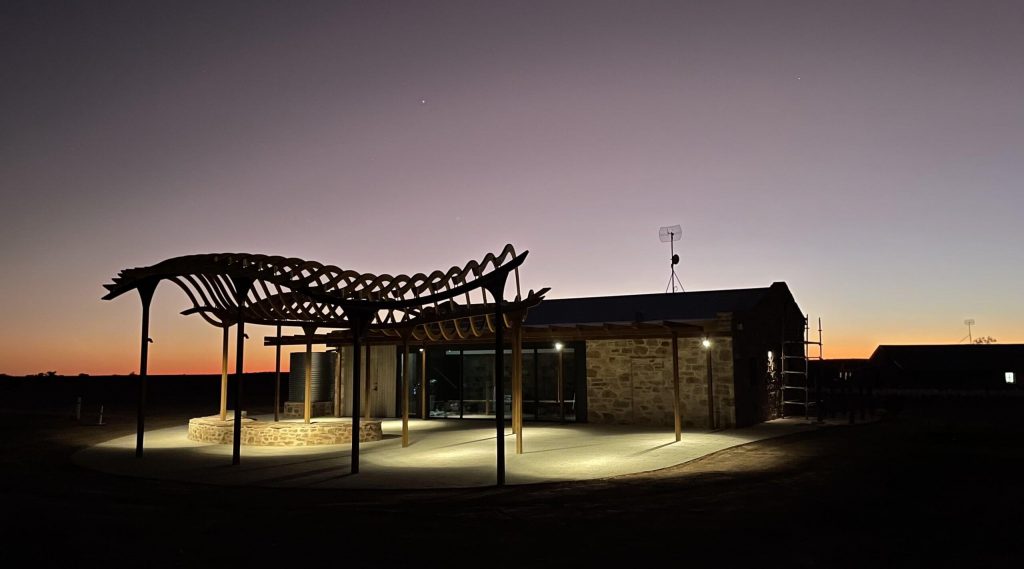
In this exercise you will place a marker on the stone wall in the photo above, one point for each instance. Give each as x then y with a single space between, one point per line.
297 409
630 382
284 433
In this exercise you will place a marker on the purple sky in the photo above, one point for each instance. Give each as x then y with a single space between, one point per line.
870 154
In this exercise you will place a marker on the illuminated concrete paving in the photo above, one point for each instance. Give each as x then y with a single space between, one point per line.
442 454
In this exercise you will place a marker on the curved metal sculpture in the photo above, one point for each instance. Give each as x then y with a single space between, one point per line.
239 288
296 292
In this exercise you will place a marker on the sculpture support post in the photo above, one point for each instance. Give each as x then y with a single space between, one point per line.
242 291
497 290
146 291
499 385
517 379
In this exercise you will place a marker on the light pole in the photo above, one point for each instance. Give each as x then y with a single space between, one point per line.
706 344
969 322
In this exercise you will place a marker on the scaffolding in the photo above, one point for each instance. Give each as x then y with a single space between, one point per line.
795 372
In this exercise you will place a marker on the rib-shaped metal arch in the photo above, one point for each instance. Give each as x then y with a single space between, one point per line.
292 291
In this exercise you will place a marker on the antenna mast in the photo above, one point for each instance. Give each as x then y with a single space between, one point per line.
969 322
672 234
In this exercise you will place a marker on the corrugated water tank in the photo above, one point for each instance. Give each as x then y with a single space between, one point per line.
322 381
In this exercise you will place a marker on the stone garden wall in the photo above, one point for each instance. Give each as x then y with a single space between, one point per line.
284 433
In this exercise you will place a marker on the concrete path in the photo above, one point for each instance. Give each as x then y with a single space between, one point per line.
442 454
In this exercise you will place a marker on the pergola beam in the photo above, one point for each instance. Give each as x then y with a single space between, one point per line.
530 334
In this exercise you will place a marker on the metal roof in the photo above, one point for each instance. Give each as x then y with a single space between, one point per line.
658 307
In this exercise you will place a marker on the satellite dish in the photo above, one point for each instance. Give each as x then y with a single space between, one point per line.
668 234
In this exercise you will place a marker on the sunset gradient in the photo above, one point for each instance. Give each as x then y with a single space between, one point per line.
869 154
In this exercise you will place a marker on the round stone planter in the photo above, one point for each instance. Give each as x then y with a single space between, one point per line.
283 433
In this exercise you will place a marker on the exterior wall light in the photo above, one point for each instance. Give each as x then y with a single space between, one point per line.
559 346
706 343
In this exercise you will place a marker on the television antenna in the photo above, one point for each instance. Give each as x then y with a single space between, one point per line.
969 322
671 234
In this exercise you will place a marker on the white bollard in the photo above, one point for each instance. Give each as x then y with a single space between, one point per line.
100 421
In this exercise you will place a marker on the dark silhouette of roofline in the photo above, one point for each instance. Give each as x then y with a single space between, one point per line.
651 307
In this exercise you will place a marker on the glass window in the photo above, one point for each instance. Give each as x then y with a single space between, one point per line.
443 379
415 389
569 383
1011 377
478 383
556 369
529 384
460 383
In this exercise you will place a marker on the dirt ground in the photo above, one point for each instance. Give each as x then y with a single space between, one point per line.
938 483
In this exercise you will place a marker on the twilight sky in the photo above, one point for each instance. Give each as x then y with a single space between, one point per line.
869 154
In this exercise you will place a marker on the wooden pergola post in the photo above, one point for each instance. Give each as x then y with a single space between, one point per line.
423 382
675 386
405 391
366 392
337 383
711 388
224 374
560 397
277 374
515 387
307 407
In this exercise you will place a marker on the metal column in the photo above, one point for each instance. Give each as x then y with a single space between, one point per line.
146 295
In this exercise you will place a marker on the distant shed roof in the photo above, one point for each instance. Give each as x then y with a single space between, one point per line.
700 305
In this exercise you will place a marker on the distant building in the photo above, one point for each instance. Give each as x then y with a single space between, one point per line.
953 366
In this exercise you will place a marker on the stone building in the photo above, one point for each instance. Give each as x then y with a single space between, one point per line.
607 360
732 338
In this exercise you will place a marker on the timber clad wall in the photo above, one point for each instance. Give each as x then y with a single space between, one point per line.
383 370
630 382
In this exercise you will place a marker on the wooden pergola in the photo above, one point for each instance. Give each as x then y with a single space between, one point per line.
228 289
479 329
